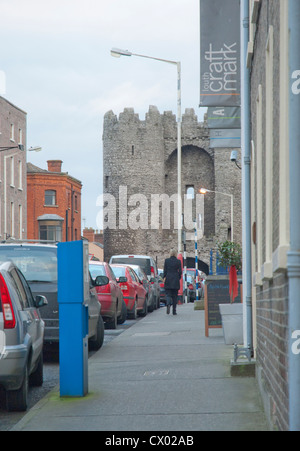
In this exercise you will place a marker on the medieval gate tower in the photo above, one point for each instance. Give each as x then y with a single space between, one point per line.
140 170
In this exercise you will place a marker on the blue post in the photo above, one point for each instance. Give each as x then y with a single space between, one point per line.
73 290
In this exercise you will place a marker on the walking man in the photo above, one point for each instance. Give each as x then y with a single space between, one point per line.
172 276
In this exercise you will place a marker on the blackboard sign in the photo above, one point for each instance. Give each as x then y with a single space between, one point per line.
217 292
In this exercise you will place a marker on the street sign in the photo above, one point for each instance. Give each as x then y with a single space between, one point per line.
224 117
226 138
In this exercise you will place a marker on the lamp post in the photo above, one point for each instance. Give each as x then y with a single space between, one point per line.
3 149
118 53
204 191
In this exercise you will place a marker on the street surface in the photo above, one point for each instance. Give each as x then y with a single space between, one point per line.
51 379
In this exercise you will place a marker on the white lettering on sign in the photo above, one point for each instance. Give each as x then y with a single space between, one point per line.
223 69
296 84
219 112
296 344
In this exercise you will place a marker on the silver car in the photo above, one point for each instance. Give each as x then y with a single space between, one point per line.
21 337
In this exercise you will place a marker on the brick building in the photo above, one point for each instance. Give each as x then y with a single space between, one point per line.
53 203
140 171
13 203
268 59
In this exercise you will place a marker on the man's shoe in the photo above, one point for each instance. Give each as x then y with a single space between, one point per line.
174 313
168 309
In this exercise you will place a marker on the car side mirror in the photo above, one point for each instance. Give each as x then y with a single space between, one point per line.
40 301
100 281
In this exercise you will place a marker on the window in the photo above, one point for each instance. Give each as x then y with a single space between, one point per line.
12 132
20 136
50 197
20 175
50 231
12 219
12 171
20 222
190 192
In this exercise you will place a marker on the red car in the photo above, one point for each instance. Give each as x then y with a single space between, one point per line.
110 296
134 293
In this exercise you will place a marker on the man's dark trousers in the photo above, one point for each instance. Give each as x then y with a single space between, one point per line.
172 298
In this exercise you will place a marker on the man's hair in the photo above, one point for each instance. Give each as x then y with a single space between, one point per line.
173 253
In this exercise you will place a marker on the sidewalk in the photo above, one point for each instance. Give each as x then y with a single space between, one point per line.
162 374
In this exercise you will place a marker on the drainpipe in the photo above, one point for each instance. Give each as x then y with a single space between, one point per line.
246 180
293 258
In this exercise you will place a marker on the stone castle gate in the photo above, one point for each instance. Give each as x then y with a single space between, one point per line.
140 177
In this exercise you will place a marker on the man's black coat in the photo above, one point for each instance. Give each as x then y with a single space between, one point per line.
172 272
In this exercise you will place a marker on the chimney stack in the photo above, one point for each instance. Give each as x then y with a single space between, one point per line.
54 165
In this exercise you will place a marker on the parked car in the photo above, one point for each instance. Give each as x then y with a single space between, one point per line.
38 263
148 286
201 277
162 286
21 337
149 267
134 293
110 296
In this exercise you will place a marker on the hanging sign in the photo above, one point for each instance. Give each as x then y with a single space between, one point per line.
225 138
220 83
224 117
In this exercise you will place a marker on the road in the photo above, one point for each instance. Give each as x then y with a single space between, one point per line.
51 379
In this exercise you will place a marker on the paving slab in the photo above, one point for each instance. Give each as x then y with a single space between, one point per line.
162 374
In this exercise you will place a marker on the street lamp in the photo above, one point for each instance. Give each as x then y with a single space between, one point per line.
204 191
117 53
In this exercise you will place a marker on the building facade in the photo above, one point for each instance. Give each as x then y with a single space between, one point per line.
13 205
140 186
269 65
53 203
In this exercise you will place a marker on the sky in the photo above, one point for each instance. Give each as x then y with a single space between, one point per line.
55 64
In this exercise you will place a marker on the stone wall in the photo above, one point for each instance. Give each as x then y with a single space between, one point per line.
140 157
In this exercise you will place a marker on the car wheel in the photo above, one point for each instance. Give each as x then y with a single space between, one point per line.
36 379
145 309
113 323
133 312
123 316
97 342
17 400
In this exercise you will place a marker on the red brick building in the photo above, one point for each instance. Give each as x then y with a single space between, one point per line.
53 203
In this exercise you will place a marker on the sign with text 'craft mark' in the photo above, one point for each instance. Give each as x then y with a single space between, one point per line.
224 117
220 74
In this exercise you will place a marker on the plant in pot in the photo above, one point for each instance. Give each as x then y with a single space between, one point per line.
230 256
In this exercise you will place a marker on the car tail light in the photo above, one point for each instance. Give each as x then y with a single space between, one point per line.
191 286
7 308
162 285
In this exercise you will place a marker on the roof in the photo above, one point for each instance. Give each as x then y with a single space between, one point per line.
49 217
32 169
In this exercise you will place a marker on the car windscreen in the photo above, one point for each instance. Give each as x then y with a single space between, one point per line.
144 263
37 264
97 270
118 271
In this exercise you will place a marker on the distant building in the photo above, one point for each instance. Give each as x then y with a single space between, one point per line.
95 239
13 204
140 179
53 203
